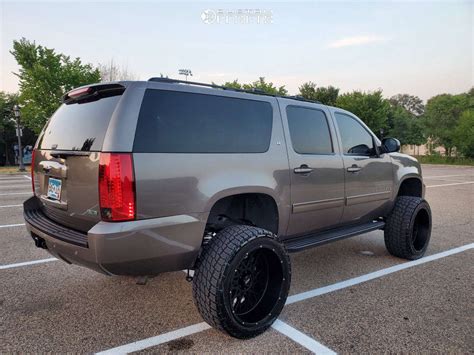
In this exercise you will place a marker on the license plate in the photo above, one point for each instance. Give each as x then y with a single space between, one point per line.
54 189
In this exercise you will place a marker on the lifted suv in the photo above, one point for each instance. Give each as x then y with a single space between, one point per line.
140 178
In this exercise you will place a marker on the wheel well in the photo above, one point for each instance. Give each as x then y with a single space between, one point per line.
255 209
411 187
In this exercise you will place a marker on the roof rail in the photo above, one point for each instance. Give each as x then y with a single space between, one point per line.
214 86
301 98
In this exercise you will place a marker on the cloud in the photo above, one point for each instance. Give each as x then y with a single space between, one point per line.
356 41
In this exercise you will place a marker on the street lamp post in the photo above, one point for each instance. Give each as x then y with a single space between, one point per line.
16 111
185 72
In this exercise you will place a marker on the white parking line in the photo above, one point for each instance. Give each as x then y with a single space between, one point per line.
12 225
28 177
41 261
20 179
453 184
159 339
5 206
17 193
374 275
176 334
445 176
301 338
26 186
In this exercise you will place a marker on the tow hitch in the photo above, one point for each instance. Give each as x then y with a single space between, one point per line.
39 242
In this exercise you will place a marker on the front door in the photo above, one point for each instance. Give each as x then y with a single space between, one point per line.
316 170
368 175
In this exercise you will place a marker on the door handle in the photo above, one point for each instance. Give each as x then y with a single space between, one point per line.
303 169
354 169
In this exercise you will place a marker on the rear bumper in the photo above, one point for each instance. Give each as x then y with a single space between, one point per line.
143 247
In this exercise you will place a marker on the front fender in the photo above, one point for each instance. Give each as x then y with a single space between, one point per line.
405 167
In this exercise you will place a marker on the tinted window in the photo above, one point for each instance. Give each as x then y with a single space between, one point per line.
309 130
79 126
179 122
355 138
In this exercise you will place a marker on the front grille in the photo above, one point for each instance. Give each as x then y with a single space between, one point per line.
37 219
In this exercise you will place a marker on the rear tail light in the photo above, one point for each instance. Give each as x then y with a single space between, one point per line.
116 187
32 167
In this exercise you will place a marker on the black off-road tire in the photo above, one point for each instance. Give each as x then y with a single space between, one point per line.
218 280
408 228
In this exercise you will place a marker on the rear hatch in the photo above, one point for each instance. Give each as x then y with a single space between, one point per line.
66 162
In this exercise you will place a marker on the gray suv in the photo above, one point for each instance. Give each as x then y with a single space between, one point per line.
141 178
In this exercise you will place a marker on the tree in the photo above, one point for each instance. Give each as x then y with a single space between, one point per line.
403 122
233 84
8 136
259 84
403 125
370 107
268 88
7 126
325 95
412 104
112 72
464 134
44 77
442 117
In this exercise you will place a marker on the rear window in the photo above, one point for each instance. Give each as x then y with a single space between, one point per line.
79 126
180 122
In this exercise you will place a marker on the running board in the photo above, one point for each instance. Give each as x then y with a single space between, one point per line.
312 240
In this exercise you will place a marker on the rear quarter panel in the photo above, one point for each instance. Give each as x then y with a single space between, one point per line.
121 131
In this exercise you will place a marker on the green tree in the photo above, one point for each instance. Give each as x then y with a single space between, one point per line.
325 95
8 136
412 104
44 77
442 117
259 84
403 120
269 88
370 107
464 134
233 84
404 126
7 126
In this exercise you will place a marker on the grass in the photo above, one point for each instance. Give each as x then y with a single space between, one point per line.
439 159
6 170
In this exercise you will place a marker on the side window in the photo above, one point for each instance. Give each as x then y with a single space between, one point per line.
182 122
355 138
309 130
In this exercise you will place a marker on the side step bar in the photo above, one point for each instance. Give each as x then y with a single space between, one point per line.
312 240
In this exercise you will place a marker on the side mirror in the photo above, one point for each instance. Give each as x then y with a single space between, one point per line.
391 145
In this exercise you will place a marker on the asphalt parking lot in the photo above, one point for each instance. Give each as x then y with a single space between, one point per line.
348 296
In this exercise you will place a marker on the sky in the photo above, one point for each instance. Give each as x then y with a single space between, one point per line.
423 48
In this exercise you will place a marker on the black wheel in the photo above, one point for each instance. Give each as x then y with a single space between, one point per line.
241 281
408 228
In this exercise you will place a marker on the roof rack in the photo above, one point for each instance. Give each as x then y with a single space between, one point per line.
214 86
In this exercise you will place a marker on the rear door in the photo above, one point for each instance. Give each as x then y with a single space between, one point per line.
368 175
67 156
316 168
